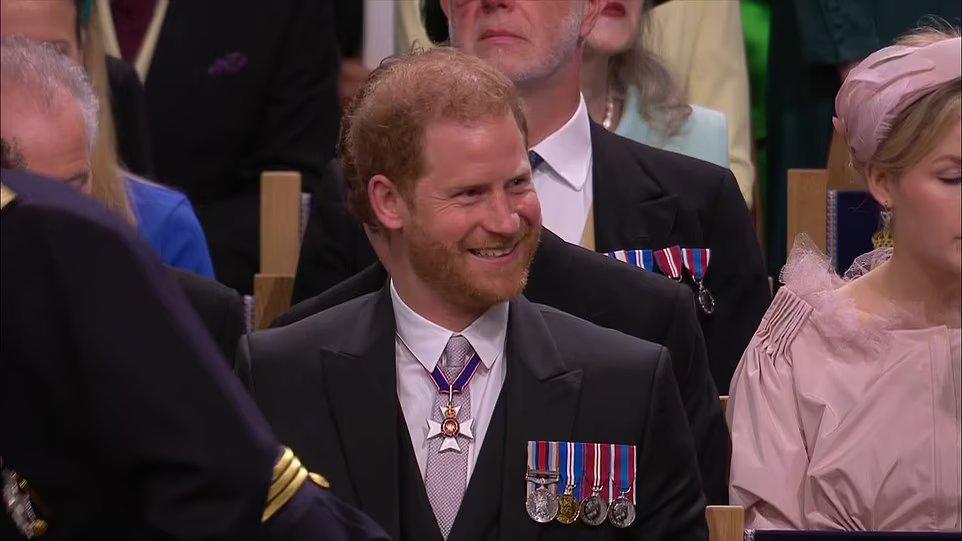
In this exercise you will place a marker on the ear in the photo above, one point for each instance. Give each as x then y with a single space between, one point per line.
388 206
445 7
880 184
592 10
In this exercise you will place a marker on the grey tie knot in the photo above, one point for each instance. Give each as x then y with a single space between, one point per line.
456 354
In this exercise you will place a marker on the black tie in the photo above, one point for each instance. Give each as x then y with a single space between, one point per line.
535 159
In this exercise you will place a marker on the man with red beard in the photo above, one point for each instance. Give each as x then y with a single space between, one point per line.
419 401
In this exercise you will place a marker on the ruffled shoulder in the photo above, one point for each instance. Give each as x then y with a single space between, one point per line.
808 273
813 289
786 316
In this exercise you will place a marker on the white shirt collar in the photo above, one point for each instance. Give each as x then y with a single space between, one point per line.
568 150
427 340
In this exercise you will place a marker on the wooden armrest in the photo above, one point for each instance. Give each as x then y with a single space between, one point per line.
725 522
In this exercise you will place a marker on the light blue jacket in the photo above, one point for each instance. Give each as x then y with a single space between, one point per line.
704 135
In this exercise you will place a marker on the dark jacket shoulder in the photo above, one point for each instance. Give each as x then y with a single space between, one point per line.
671 171
610 349
219 307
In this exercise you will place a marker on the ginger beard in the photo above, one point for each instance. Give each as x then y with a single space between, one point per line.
463 280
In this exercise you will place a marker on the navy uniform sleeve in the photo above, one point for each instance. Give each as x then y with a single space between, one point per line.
102 328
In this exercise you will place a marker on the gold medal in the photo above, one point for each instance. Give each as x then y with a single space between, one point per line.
568 507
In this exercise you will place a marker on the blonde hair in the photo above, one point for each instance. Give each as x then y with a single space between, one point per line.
664 104
382 132
108 184
920 127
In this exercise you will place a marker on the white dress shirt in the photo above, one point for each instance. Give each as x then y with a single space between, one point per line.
418 347
563 181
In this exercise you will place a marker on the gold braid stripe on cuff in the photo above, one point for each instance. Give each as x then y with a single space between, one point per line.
287 478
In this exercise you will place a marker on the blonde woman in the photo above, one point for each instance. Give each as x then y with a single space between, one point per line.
845 407
164 216
630 92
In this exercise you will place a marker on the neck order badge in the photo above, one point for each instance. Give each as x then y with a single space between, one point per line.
451 427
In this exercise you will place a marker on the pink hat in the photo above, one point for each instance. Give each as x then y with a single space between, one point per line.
883 85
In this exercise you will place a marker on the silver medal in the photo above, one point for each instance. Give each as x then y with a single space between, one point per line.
593 510
621 513
705 299
542 505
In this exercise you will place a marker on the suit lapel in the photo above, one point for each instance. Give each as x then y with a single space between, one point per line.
362 386
540 399
631 209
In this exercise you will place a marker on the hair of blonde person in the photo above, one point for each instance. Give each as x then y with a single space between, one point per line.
383 130
109 186
923 124
664 103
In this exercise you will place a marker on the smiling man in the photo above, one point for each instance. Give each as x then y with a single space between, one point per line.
420 400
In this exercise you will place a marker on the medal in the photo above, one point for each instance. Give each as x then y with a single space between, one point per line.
638 258
696 261
542 502
16 497
670 262
621 513
594 508
568 507
451 428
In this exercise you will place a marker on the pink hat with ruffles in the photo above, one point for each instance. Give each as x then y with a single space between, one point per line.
883 85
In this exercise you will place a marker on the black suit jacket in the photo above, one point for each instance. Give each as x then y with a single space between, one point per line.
613 295
234 89
116 409
327 385
220 309
650 198
128 103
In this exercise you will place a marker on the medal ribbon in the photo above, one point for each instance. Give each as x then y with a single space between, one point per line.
639 258
579 467
612 455
627 456
604 470
532 457
670 262
553 456
543 456
589 470
696 261
463 378
566 466
598 456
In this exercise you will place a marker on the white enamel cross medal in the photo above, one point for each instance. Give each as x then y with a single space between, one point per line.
450 428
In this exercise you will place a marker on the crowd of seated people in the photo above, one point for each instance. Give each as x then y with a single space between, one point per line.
526 277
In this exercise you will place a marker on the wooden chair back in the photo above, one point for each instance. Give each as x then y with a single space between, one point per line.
280 244
808 193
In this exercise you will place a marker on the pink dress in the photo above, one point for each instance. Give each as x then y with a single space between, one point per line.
845 421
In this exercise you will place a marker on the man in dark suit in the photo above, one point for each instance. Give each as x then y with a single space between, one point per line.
597 189
613 295
234 89
446 190
121 420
